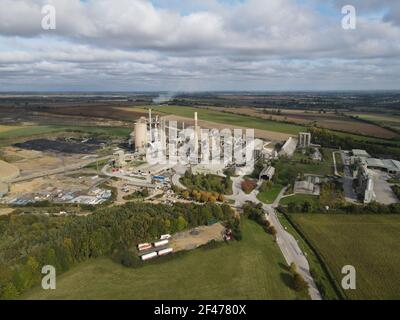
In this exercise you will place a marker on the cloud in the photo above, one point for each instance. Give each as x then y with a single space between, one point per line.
208 44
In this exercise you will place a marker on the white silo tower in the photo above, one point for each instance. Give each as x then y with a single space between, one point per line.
141 135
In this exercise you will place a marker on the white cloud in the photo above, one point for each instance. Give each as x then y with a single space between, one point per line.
118 42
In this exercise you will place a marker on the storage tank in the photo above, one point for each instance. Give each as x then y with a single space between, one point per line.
140 135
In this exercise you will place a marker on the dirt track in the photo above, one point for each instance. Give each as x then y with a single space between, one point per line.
191 239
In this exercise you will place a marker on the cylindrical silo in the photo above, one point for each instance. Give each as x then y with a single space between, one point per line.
140 135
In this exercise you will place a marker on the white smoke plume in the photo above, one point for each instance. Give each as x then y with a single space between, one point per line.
165 97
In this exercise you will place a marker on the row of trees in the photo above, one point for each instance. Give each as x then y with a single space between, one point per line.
29 242
203 196
396 190
330 139
209 182
256 213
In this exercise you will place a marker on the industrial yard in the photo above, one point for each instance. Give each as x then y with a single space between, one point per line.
181 161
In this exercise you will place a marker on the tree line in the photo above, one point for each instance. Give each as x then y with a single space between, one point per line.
28 241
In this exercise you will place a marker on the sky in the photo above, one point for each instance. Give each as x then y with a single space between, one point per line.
199 45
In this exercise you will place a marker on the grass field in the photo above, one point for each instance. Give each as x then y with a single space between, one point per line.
18 131
232 119
253 268
270 195
370 243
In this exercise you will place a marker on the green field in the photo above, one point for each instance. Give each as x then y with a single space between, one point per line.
28 131
253 122
232 119
370 243
253 268
270 195
383 119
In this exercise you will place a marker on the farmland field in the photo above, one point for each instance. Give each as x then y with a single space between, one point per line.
328 120
370 243
28 131
391 121
233 119
252 268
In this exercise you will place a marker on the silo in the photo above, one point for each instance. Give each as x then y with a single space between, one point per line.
140 135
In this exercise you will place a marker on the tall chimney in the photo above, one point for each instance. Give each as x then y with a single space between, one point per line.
195 119
151 134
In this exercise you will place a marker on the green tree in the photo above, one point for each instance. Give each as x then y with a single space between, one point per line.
181 223
9 292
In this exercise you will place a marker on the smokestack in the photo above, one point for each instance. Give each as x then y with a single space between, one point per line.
151 134
195 119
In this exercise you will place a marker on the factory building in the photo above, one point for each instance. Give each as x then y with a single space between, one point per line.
387 165
289 147
304 139
365 184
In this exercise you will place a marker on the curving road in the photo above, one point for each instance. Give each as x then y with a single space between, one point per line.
286 242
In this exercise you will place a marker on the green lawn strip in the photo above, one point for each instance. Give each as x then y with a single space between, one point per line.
269 196
253 268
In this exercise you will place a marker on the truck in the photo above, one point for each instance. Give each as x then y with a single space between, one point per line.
144 246
148 256
165 237
161 243
165 251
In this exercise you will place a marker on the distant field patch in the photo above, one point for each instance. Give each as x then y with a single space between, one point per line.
253 268
328 120
386 120
370 243
233 119
27 131
8 128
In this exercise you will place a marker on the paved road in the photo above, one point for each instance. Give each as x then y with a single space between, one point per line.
72 167
287 243
129 180
349 193
179 172
334 163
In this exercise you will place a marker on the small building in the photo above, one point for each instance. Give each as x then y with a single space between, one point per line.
317 155
365 184
304 139
289 147
267 173
306 187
